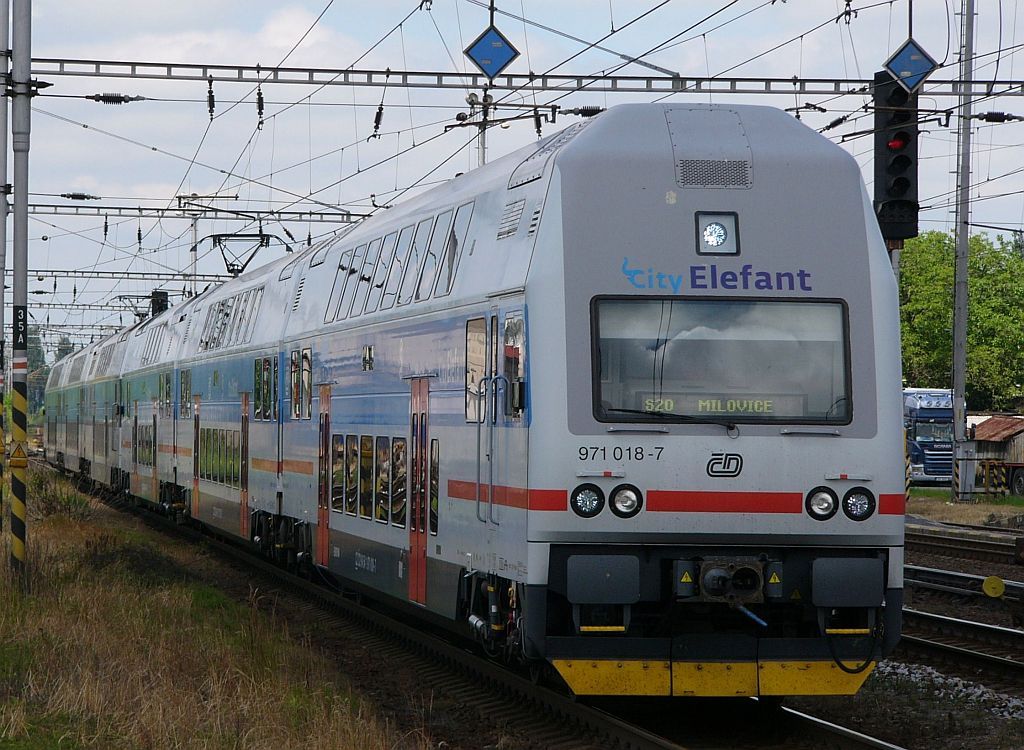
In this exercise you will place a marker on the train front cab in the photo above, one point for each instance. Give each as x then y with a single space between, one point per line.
733 515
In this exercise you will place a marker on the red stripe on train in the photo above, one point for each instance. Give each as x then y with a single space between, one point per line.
512 497
725 502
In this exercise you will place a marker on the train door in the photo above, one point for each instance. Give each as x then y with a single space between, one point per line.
484 388
323 497
195 456
243 469
419 488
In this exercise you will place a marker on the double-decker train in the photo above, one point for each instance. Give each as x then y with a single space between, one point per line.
624 403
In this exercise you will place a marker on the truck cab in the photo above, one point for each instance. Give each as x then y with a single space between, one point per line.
928 421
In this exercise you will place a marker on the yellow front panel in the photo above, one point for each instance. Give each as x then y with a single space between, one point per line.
714 678
808 678
615 677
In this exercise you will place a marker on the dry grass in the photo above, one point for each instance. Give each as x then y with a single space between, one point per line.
114 647
936 505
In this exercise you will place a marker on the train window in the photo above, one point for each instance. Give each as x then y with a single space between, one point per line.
366 476
435 470
492 344
204 449
231 326
296 380
254 304
398 481
236 457
274 398
416 255
365 277
351 474
382 481
398 263
340 277
387 253
338 473
514 363
221 457
476 365
321 254
438 239
257 389
453 250
307 383
353 281
747 361
241 325
269 390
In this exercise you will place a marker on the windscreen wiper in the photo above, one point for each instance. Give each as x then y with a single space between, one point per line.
672 416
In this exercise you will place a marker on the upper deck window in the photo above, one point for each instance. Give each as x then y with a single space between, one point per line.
672 360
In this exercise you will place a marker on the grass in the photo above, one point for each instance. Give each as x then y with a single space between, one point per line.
935 503
116 647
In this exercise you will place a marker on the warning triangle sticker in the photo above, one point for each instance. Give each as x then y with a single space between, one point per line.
795 594
686 578
775 578
19 451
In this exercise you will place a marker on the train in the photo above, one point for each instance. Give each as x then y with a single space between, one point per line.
622 406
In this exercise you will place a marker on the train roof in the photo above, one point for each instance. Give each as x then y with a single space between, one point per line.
286 297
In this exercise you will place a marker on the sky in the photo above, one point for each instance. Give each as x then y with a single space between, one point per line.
314 150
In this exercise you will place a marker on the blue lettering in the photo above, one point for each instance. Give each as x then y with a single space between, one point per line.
676 280
728 279
698 280
804 276
632 274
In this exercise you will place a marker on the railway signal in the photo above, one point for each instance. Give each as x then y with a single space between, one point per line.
896 160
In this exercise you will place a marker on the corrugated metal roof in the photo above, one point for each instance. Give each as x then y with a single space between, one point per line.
998 429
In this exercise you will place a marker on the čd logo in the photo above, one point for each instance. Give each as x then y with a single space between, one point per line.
725 465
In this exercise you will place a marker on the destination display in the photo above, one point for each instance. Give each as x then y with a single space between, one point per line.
705 404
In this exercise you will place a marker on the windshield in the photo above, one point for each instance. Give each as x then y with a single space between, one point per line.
933 432
746 361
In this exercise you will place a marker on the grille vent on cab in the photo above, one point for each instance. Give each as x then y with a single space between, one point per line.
298 293
534 222
713 173
710 148
510 217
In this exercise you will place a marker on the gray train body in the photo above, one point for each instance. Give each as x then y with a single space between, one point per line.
625 402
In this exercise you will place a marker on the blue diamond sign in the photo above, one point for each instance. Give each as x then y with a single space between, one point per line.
910 65
491 52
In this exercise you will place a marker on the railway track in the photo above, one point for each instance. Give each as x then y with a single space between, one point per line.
550 718
961 584
970 547
989 652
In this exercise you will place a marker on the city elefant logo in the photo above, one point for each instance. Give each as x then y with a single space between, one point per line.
725 465
712 276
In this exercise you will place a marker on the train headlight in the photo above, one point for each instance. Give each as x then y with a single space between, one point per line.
626 501
858 503
821 503
587 500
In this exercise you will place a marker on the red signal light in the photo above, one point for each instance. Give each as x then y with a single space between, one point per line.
898 142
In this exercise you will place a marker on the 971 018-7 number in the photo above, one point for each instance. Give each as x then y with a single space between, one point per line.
620 453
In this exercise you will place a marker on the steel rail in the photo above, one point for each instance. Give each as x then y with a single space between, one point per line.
980 647
961 546
954 582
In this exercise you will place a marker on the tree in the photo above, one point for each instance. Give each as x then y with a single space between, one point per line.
995 330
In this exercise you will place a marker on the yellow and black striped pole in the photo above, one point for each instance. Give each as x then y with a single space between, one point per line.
21 125
19 458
